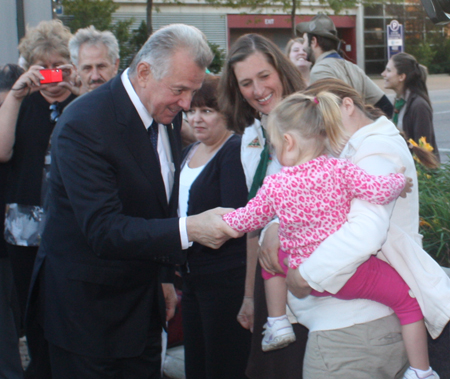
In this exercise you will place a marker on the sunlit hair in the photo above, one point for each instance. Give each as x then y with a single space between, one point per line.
309 118
160 47
343 90
46 38
416 74
288 48
92 36
238 112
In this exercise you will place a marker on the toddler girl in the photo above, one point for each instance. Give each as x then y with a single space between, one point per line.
311 196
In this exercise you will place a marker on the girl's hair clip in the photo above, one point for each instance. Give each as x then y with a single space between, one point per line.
316 100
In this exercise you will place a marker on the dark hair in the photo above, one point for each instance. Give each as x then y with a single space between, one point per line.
416 74
341 89
9 74
207 95
239 113
326 44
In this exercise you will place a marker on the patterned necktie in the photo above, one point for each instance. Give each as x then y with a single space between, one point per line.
153 135
399 103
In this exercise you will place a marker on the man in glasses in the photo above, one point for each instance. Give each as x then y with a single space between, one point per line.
95 54
112 234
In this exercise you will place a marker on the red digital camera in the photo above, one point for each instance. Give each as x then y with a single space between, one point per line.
51 75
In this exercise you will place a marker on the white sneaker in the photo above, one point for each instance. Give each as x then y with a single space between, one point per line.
278 335
412 374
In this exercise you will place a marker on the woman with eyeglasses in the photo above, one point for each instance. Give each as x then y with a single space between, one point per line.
27 118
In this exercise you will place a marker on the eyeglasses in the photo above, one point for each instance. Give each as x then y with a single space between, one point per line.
55 112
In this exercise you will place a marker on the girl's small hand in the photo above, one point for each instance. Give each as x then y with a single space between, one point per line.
28 82
409 182
408 187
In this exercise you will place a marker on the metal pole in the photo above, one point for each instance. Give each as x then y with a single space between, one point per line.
20 19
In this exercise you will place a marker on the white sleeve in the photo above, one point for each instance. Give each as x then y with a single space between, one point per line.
338 257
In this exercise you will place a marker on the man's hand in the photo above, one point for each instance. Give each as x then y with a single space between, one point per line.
268 253
209 229
246 313
171 299
296 284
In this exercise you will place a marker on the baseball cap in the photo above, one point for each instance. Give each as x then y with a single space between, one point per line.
320 25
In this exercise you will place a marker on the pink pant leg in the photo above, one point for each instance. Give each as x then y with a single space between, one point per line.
378 281
281 256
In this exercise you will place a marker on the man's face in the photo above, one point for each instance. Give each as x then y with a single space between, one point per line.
166 97
95 66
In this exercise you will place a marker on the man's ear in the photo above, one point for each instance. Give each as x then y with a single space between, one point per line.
116 66
143 74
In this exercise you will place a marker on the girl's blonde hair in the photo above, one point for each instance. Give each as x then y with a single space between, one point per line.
309 117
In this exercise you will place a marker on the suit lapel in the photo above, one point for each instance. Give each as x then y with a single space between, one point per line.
135 137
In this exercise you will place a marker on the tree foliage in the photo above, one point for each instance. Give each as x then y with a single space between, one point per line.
83 13
219 58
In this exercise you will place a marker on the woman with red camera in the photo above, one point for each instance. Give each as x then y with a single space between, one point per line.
27 118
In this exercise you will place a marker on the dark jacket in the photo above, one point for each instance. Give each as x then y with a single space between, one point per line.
418 121
220 184
108 229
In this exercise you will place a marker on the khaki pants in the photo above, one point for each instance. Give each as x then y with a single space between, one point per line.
373 350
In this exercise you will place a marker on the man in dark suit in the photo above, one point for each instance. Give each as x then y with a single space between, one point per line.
112 235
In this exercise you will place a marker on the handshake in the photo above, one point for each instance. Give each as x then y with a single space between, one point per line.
209 229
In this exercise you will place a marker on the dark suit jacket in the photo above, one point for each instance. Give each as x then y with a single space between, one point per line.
110 233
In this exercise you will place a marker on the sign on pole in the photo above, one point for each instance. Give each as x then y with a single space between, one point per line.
394 34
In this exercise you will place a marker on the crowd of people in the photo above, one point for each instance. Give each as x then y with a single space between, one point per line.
293 219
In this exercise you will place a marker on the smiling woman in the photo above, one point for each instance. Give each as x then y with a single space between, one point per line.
256 76
216 346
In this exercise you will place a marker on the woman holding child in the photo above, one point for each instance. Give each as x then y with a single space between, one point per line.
256 76
354 338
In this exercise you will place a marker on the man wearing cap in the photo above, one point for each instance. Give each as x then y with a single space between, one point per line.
324 43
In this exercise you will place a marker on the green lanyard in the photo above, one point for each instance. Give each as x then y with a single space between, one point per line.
261 170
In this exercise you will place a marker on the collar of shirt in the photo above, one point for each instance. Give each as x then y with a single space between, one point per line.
146 118
164 151
324 55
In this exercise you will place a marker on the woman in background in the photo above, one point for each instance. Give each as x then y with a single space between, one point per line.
27 118
297 52
413 113
216 346
256 77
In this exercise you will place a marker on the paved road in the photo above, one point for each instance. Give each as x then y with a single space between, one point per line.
439 89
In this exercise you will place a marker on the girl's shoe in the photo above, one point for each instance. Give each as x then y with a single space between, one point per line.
278 335
412 374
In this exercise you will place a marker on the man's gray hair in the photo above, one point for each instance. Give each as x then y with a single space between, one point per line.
162 44
93 36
